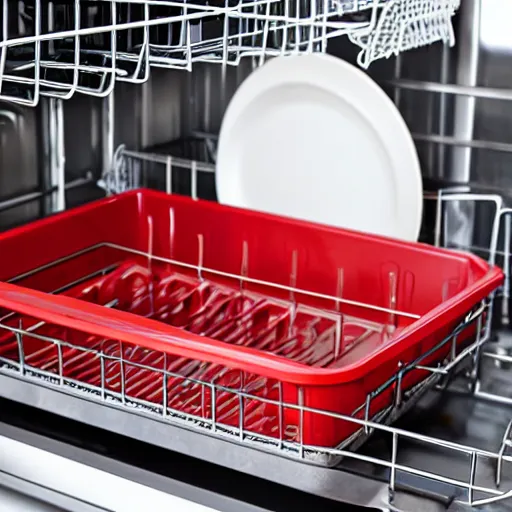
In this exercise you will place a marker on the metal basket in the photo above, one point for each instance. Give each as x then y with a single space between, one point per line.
58 48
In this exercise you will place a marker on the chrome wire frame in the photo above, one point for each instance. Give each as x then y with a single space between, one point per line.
56 49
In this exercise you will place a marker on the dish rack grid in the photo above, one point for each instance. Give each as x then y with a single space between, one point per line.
59 48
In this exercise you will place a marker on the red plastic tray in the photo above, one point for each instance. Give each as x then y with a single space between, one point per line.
416 294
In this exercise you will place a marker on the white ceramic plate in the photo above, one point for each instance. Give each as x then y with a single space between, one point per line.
313 137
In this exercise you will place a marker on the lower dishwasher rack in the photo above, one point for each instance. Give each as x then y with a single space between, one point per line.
451 463
424 473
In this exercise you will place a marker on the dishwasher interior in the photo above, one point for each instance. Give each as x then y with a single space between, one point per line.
133 95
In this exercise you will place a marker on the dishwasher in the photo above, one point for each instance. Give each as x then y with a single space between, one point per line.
117 103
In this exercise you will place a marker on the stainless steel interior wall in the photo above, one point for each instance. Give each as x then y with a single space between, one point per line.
172 104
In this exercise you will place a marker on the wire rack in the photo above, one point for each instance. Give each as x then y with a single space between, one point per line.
118 371
60 48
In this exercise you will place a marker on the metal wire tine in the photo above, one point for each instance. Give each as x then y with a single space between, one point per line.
398 389
224 55
301 421
475 372
453 351
392 477
241 411
439 215
204 414
367 405
213 398
244 267
168 175
392 301
293 275
472 476
21 351
193 179
150 242
188 46
506 442
102 373
339 288
200 256
172 230
338 340
61 364
280 414
505 314
150 262
122 373
164 387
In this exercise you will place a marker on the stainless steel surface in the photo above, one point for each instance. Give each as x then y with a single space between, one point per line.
128 486
19 495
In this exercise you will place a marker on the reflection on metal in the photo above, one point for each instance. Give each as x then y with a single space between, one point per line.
461 231
57 152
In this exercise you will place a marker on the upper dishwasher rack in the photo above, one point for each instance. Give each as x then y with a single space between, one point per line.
57 48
